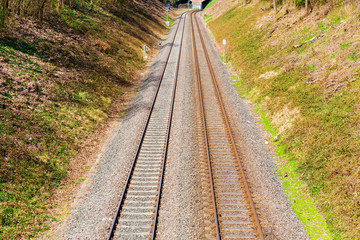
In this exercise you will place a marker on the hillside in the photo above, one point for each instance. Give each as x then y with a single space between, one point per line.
63 73
301 72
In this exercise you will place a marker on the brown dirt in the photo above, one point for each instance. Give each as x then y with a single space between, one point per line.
85 162
44 69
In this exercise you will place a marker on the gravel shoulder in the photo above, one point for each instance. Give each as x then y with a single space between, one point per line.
94 206
276 215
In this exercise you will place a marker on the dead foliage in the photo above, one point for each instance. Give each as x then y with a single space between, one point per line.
59 79
309 93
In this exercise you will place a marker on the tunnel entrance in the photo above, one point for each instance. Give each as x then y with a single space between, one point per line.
182 2
205 3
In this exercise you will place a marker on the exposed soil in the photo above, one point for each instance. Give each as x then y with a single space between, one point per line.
85 163
64 83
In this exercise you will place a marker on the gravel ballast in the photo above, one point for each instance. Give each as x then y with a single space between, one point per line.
182 210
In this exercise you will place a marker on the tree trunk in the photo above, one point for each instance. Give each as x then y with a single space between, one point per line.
4 8
28 10
19 7
307 6
41 10
61 4
244 2
274 2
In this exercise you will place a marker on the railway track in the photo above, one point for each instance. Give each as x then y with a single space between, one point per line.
233 209
234 214
137 212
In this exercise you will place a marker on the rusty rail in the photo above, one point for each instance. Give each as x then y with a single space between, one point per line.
126 187
218 95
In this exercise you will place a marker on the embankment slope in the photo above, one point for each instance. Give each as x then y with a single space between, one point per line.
61 79
302 74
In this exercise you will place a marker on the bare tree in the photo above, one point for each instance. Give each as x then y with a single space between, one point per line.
41 9
274 3
19 7
60 5
4 10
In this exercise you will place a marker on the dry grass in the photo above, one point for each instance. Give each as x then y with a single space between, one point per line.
303 75
59 82
333 57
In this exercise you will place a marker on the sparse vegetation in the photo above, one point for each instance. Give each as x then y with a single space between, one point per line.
60 79
302 74
210 3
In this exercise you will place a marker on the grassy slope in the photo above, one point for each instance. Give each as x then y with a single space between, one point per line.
209 4
59 81
309 97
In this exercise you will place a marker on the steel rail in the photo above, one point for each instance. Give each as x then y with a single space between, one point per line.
167 136
213 77
218 236
117 214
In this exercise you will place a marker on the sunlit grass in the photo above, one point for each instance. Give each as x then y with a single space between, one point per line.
74 88
315 120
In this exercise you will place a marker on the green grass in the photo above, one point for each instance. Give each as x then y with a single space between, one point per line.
208 18
209 4
37 145
77 84
302 203
171 21
317 125
80 21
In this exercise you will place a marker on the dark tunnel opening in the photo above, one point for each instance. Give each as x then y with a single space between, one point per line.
182 2
205 3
